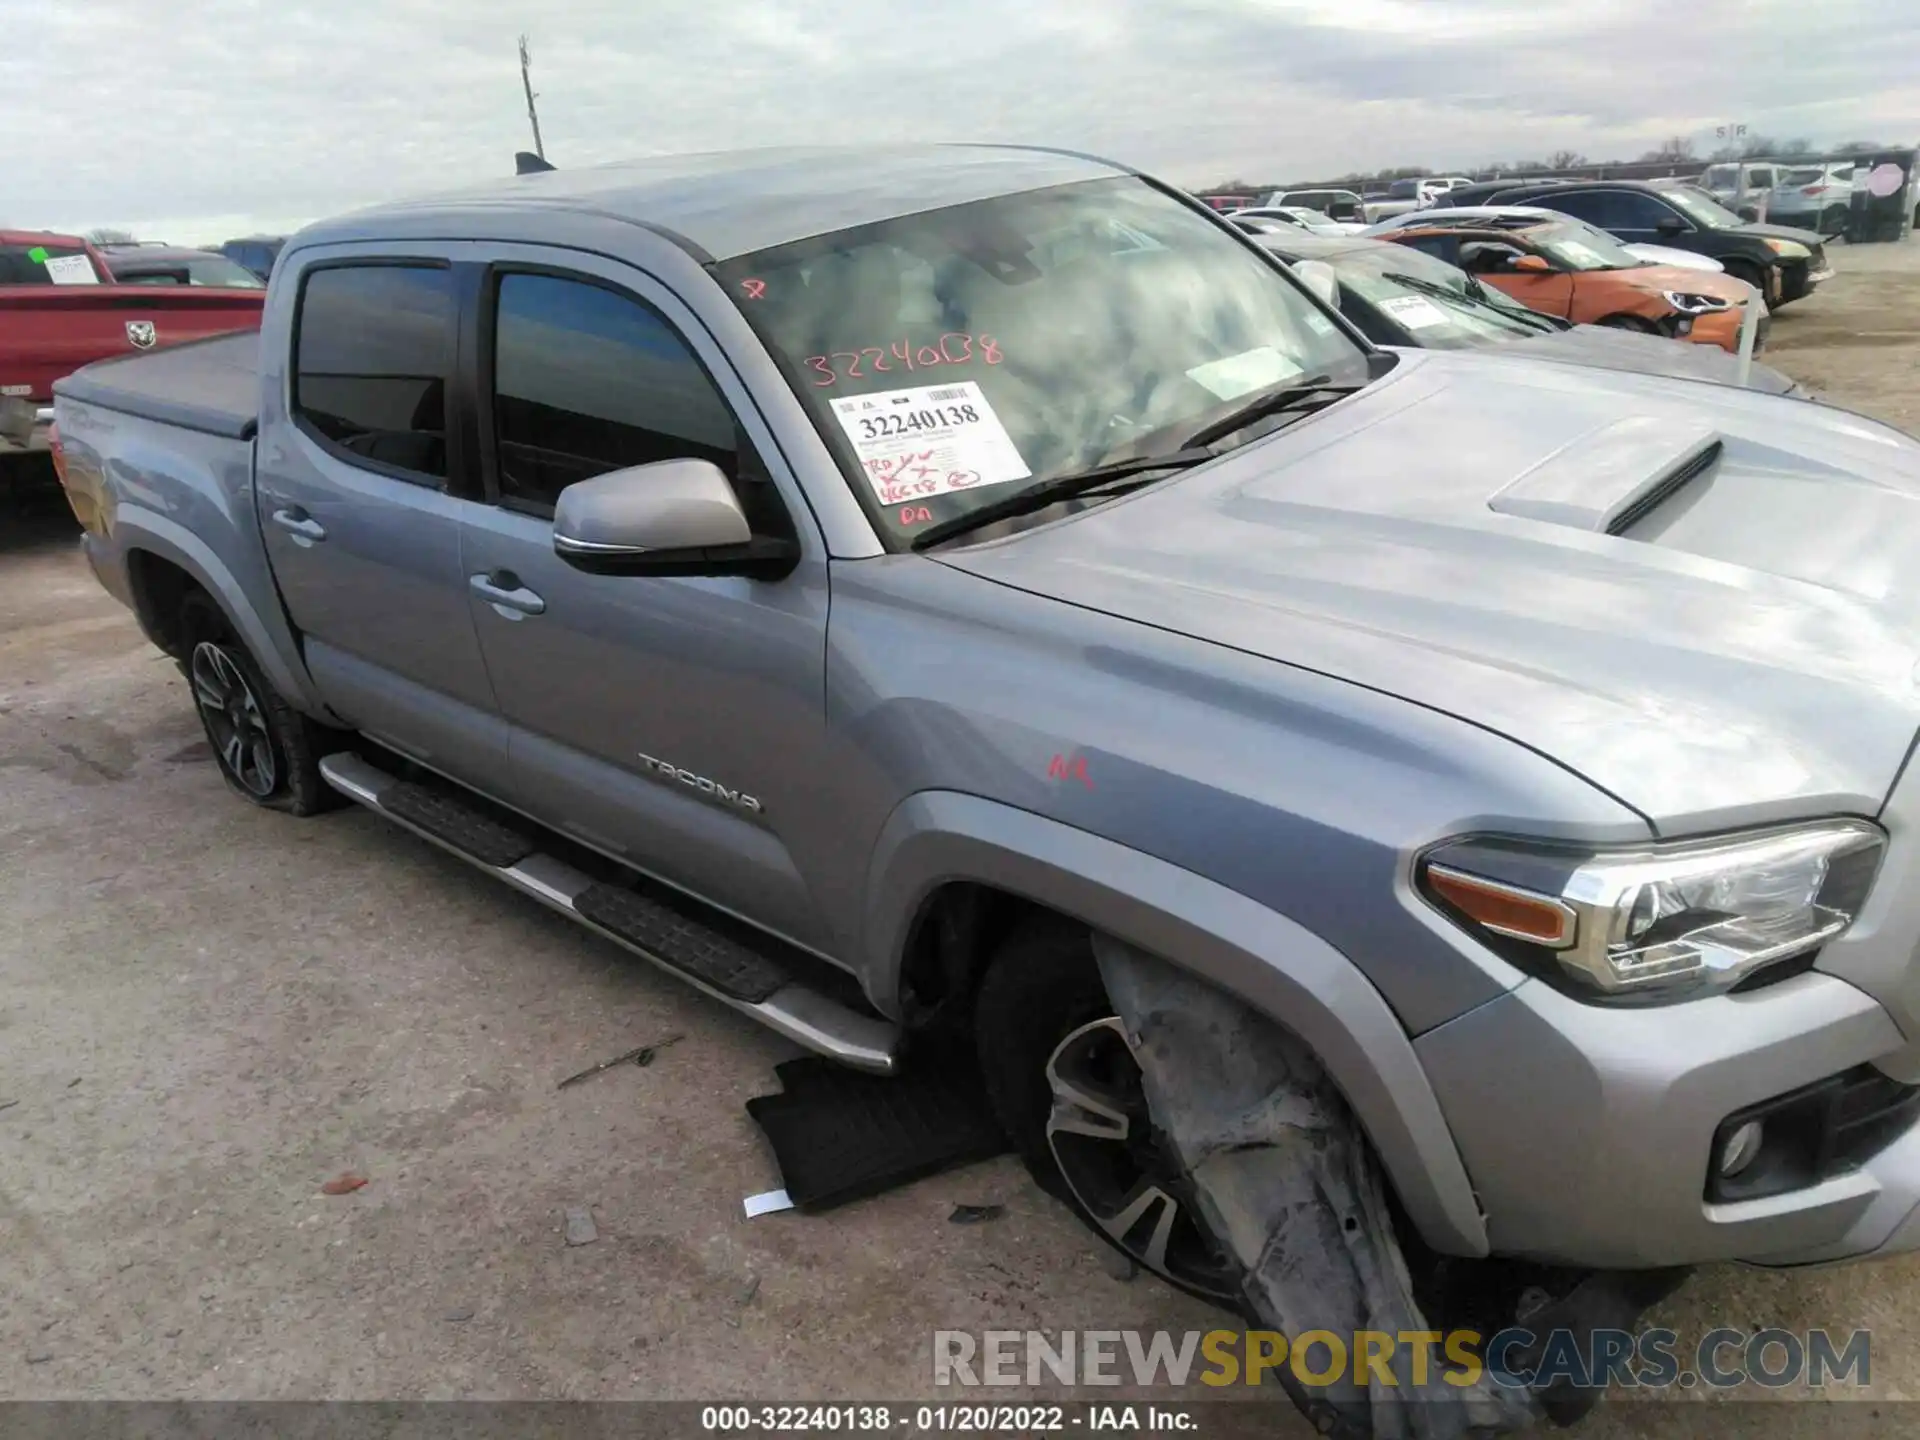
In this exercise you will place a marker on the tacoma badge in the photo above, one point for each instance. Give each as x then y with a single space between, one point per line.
712 789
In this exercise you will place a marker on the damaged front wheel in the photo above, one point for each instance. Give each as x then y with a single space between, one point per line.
1067 1089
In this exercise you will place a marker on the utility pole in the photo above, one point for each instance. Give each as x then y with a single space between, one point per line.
526 81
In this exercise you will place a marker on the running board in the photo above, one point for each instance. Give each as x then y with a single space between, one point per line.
753 982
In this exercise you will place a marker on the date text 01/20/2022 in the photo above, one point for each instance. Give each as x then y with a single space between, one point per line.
948 1419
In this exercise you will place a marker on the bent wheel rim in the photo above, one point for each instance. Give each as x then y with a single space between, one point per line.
236 722
1119 1167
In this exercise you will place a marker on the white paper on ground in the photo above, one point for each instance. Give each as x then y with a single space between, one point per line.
767 1202
929 440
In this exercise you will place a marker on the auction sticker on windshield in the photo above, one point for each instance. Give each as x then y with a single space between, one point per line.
1416 312
929 440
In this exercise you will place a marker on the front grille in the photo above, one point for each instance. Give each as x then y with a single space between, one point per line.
1816 1132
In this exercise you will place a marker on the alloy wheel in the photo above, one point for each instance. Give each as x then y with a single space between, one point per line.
1121 1169
235 720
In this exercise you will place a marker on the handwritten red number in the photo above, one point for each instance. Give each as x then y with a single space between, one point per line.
878 354
1061 768
853 366
904 351
989 350
754 288
823 367
928 355
962 479
965 354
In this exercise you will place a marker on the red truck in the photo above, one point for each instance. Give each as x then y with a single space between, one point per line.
59 310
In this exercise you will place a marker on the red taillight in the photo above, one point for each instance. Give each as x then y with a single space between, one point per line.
57 451
1813 189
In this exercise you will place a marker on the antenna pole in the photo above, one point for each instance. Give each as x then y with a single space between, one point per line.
526 81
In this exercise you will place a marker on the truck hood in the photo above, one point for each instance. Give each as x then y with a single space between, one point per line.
1650 355
1741 650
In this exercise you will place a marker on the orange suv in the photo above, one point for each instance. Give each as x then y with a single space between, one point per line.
1580 274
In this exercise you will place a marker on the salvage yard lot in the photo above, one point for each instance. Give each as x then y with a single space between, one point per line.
207 1011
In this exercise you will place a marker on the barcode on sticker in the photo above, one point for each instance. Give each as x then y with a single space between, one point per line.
957 392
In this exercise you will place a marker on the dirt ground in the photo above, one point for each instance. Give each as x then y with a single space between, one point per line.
207 1011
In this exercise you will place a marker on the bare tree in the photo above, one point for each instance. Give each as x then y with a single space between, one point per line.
107 235
1566 160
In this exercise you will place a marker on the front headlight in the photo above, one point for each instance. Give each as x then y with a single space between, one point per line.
1688 303
1788 249
1665 921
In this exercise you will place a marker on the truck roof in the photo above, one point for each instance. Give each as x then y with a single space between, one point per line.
725 203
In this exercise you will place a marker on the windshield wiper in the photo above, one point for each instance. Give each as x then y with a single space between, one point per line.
1294 395
1061 487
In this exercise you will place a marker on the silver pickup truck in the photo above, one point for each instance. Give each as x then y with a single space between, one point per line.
880 586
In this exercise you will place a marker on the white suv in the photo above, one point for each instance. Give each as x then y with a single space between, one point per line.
1814 197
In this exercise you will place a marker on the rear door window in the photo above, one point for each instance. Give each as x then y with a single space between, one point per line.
374 350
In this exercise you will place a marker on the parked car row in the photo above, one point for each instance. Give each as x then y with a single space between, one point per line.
1398 294
1782 262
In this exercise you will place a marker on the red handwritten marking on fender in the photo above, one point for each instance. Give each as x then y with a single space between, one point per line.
915 514
1061 768
754 288
956 347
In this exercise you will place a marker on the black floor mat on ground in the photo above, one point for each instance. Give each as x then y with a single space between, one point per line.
840 1135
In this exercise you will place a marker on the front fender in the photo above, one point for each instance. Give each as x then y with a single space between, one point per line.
1284 971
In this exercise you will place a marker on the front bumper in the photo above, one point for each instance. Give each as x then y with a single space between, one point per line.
1589 1138
24 427
1722 328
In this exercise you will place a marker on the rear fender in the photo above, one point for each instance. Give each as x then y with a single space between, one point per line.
1287 973
186 499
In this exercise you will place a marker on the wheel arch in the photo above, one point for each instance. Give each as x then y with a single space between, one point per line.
939 844
163 561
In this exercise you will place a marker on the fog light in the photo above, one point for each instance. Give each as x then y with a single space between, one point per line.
1740 1147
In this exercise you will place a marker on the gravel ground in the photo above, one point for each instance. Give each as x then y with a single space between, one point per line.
207 1012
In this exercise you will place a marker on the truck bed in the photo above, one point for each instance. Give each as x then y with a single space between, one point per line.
212 386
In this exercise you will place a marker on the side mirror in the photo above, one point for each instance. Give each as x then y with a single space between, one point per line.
1670 225
673 517
1319 277
1530 264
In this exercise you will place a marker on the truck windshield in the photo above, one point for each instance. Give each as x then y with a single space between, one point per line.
1440 307
947 356
1700 207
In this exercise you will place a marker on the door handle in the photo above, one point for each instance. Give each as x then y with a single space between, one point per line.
301 526
503 591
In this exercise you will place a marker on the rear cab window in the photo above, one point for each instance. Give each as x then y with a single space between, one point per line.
373 351
948 356
46 264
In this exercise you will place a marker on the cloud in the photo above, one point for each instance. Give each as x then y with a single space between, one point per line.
206 117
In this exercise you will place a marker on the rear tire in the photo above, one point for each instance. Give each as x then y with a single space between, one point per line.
1833 220
268 752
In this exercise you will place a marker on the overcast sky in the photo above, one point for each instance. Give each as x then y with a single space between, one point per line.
195 119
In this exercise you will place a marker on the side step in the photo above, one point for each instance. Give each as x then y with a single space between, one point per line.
751 980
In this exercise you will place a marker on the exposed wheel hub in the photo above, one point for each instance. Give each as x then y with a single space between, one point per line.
1120 1169
235 719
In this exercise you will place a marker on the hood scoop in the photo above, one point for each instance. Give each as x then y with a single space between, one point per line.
1609 479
